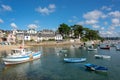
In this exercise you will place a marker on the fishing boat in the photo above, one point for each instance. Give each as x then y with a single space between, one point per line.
102 56
94 67
20 56
74 60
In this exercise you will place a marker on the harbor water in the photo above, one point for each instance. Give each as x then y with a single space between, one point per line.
52 67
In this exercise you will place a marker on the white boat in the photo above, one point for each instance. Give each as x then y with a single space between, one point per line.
74 60
92 49
20 56
102 56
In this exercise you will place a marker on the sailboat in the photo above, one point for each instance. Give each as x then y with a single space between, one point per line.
20 55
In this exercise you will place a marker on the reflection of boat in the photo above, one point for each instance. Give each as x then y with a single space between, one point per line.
102 56
95 67
20 55
74 60
92 49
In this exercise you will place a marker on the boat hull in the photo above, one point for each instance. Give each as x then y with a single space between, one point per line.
95 67
23 59
74 60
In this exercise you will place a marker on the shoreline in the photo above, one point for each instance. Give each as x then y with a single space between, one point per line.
27 45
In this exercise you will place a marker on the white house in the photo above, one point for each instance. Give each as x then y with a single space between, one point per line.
58 37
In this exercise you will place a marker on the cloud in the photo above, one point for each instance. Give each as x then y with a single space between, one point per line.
96 26
106 8
91 22
115 14
74 19
1 21
32 26
96 14
6 7
13 25
46 10
116 21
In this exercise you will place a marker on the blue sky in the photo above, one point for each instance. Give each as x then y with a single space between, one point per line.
102 15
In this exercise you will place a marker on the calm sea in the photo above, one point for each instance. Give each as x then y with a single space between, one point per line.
52 67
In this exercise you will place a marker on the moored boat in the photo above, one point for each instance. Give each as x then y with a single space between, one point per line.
92 49
74 60
102 56
95 67
20 56
107 47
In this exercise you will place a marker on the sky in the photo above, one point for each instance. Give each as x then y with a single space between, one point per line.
102 15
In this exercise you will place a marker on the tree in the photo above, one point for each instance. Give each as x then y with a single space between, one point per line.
64 30
77 30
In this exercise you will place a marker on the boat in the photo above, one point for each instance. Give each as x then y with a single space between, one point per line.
117 48
92 49
102 56
94 67
63 51
20 56
74 60
107 47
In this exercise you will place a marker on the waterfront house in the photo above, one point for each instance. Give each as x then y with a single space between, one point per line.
11 38
58 37
46 35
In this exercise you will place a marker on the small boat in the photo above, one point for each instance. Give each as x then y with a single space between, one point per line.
63 51
92 49
117 48
107 47
74 60
95 67
20 56
102 56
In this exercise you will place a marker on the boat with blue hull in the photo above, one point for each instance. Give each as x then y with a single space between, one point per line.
20 56
96 67
74 60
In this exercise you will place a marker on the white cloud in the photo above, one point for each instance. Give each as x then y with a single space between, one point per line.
91 22
106 8
13 25
46 10
96 14
32 26
116 21
96 26
6 7
115 14
52 6
1 21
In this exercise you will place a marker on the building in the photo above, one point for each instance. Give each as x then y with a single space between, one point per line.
46 35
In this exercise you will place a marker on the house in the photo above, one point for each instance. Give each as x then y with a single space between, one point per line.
27 35
46 35
11 38
58 37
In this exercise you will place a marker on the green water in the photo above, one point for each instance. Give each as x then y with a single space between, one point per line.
52 67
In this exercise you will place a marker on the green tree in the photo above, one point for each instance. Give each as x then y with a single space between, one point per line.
64 30
78 30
